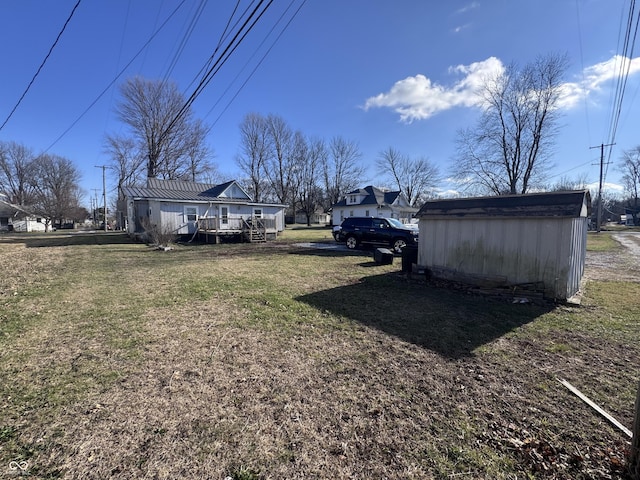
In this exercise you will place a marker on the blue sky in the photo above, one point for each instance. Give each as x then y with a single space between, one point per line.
383 74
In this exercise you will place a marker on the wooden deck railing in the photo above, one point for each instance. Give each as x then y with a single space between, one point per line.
218 224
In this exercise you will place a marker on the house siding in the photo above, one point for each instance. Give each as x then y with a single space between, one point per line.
173 218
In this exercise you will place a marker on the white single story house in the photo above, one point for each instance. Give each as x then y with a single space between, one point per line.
513 240
373 202
186 208
18 219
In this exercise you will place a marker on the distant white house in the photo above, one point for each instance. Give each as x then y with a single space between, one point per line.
18 219
373 202
186 208
319 217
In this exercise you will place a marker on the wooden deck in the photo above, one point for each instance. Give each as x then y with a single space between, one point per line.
253 229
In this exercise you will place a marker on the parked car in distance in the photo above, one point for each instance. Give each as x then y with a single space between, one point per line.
388 232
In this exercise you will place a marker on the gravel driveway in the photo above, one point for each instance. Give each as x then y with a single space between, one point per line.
623 265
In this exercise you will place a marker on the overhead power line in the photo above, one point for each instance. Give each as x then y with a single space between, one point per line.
623 75
41 65
233 44
259 62
118 75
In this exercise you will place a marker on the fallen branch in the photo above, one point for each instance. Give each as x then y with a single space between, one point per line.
584 398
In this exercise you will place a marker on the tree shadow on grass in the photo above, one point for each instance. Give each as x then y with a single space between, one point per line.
450 323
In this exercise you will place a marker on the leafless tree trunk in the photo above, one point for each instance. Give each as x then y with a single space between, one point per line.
507 152
413 177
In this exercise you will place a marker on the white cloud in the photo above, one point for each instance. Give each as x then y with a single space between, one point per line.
418 98
607 188
466 8
595 77
460 28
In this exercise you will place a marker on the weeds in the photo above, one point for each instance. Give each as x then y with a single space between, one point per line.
272 361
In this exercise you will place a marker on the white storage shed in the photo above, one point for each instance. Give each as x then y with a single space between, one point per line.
508 240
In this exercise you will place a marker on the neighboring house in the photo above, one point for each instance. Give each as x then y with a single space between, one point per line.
373 202
631 215
319 217
18 219
186 208
515 240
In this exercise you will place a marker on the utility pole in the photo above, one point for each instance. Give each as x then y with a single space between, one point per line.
96 217
104 192
599 213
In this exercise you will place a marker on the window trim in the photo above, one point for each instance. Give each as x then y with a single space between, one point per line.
190 211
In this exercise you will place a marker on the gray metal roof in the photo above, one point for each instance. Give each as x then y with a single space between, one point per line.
372 196
188 192
575 203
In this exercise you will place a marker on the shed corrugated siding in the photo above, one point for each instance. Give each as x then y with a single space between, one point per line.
578 255
521 250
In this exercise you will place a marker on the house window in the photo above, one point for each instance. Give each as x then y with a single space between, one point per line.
257 212
366 213
351 213
224 215
191 213
353 199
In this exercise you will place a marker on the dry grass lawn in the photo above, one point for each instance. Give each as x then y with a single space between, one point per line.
273 361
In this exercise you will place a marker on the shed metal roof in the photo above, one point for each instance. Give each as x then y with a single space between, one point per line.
574 203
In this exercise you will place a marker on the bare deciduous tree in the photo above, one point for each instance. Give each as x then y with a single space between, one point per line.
17 173
630 169
173 143
311 156
507 151
279 164
126 161
413 177
567 183
58 193
341 170
197 153
254 145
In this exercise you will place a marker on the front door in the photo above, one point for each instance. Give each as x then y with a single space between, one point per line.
224 217
191 218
